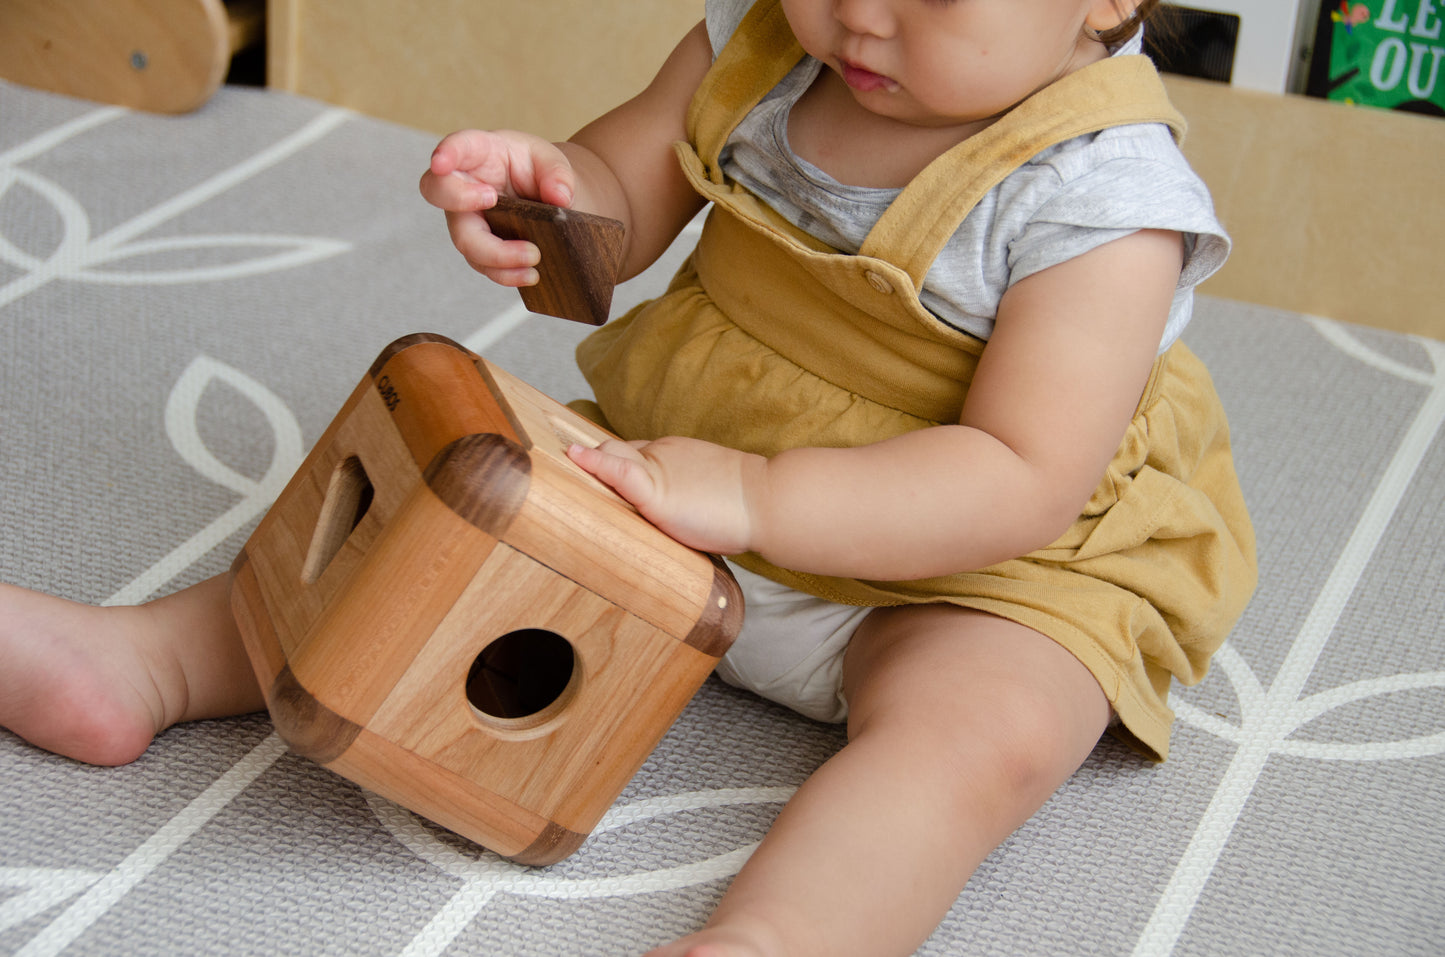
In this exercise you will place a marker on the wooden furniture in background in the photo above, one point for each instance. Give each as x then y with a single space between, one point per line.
166 56
545 66
1335 210
443 608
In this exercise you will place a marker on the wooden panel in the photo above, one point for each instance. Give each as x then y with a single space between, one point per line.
435 396
1335 211
279 547
369 634
545 66
471 810
248 605
580 525
581 257
569 764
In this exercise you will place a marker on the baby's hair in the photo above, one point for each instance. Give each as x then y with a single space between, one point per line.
1126 29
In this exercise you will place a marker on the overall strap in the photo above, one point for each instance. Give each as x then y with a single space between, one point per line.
755 59
1116 91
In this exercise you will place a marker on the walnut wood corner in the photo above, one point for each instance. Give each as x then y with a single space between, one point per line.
483 478
308 726
722 615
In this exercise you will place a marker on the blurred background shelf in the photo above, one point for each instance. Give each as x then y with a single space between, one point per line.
165 56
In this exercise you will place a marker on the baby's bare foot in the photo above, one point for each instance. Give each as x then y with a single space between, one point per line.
74 678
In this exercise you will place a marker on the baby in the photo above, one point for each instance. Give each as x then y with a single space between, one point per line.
921 381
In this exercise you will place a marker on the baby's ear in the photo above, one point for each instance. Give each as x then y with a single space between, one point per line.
1106 15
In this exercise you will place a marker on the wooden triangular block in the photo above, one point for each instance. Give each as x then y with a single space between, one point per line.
581 257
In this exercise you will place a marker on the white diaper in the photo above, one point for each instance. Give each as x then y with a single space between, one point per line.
790 649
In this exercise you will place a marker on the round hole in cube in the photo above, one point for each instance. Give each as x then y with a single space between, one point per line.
523 678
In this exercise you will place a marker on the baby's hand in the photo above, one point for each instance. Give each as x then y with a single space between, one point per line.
470 169
695 491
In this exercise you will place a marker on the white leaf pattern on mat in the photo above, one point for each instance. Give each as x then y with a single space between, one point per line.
103 893
485 875
78 255
293 251
37 889
256 494
1269 716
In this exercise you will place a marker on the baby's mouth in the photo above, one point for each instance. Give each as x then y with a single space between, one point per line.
864 80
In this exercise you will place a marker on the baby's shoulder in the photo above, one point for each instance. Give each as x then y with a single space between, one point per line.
1145 147
1120 164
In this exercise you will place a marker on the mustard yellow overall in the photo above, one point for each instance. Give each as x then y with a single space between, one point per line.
766 340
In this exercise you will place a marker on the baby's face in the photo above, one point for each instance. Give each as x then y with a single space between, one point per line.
948 62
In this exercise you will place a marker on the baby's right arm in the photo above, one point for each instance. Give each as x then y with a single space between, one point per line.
620 165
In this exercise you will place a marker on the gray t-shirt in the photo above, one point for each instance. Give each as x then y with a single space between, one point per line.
1065 201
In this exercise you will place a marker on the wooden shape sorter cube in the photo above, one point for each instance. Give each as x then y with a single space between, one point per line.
443 608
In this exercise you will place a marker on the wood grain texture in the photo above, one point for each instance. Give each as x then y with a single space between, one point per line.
583 527
581 257
483 478
631 682
432 389
248 607
438 532
464 806
167 56
368 635
308 726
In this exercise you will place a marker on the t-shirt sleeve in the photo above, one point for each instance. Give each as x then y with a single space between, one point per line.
1115 197
723 17
1066 201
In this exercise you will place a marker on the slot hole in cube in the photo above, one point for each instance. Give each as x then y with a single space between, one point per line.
348 498
523 678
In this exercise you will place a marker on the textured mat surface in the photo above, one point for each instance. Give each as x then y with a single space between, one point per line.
185 302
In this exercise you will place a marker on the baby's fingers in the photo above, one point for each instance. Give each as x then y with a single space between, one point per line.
470 168
620 466
464 174
506 262
455 192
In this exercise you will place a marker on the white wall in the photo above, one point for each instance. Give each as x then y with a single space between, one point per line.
1268 39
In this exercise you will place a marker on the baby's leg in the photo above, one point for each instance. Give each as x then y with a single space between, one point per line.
961 725
97 684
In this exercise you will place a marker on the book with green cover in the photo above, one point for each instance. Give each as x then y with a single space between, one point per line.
1384 53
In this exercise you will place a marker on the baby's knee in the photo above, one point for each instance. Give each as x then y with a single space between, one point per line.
1011 735
980 692
1032 736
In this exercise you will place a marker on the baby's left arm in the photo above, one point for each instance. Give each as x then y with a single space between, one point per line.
1055 388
